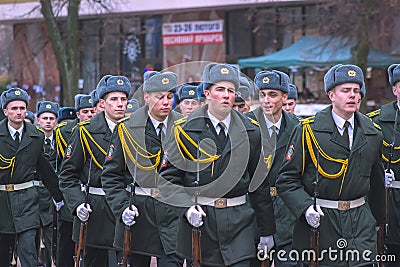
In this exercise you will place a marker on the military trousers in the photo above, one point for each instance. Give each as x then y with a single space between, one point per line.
65 245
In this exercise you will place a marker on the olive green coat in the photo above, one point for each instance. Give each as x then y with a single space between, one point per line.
75 171
19 210
385 119
228 234
284 219
156 227
364 178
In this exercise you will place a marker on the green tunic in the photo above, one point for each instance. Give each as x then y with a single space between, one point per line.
364 178
385 119
284 219
75 171
156 227
19 210
228 234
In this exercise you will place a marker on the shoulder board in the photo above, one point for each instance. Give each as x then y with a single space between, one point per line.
40 129
253 121
122 120
83 123
373 113
180 121
377 126
307 120
62 124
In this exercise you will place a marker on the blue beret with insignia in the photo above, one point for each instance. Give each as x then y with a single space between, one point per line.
217 72
155 81
394 73
110 83
14 94
340 74
132 105
188 91
30 116
46 106
292 92
83 101
274 79
66 113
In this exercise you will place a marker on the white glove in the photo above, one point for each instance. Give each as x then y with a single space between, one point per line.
195 215
82 211
266 243
58 205
128 216
389 177
313 217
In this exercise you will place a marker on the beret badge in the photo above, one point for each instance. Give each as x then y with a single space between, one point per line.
90 100
265 80
48 106
191 92
351 73
120 82
17 92
224 71
129 106
165 81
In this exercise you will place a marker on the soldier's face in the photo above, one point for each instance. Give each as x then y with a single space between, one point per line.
289 105
47 121
345 98
85 114
99 108
220 98
188 106
115 105
396 91
15 112
271 101
160 104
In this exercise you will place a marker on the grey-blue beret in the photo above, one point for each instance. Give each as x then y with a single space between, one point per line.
340 74
188 91
217 72
47 106
292 92
273 79
66 113
83 101
155 81
243 93
30 116
95 97
14 94
110 83
394 73
132 105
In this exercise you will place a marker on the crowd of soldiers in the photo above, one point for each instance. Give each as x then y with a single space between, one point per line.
199 176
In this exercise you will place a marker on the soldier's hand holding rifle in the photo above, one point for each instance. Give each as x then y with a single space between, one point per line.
389 177
195 215
129 214
82 211
313 216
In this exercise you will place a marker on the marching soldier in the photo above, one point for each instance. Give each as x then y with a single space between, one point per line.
188 99
46 113
154 230
276 125
82 165
212 176
290 103
388 119
348 189
21 150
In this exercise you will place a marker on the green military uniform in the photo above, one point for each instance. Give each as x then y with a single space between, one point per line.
343 175
81 159
385 119
284 219
228 232
155 227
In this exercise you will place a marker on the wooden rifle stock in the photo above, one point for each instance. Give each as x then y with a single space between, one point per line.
196 247
314 246
80 247
263 256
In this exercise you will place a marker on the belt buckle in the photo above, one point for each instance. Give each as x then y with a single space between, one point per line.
9 187
343 205
220 203
272 191
155 192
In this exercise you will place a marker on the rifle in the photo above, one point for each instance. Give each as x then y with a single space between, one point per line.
81 245
314 237
383 232
128 229
54 235
196 233
263 256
